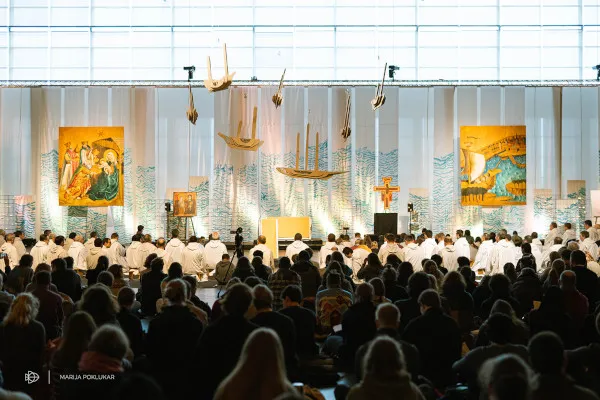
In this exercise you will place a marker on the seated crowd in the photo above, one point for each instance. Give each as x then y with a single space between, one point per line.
498 317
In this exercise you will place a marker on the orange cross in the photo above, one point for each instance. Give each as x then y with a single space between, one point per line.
386 191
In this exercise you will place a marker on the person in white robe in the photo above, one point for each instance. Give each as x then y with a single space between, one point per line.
357 237
213 254
161 253
78 253
483 257
51 238
145 249
327 249
449 255
504 252
267 258
412 253
175 247
39 252
587 224
440 239
361 252
587 245
536 246
429 245
11 251
21 251
552 234
89 244
568 234
132 254
191 257
462 245
546 254
391 248
94 254
58 251
536 242
116 253
295 247
69 241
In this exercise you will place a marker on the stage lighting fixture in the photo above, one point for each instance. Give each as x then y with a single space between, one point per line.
392 71
410 207
190 70
168 207
597 68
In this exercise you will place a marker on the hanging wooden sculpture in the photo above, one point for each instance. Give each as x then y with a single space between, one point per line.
240 143
219 84
192 114
307 173
277 97
379 99
346 131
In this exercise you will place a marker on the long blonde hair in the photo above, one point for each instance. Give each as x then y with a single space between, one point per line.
23 310
260 372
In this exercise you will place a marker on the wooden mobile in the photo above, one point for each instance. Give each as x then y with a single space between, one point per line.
192 114
346 131
219 84
240 143
379 99
277 97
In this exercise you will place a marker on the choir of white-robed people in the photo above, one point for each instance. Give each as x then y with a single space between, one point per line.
144 251
58 251
327 249
461 245
89 244
267 258
411 253
191 258
78 253
504 252
568 234
484 253
449 255
10 250
213 254
39 251
94 254
587 245
175 248
391 248
132 254
552 234
19 236
295 247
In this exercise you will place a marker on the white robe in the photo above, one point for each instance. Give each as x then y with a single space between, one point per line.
537 253
56 252
594 267
116 255
132 255
549 241
504 252
213 253
175 249
191 258
92 257
13 257
325 251
449 257
143 252
537 244
546 254
78 252
462 248
593 233
439 248
569 234
483 257
429 247
359 255
391 248
162 254
21 251
588 245
89 244
414 255
68 243
295 248
267 254
39 252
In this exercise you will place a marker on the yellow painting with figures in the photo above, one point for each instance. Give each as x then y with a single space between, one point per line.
493 165
184 204
90 166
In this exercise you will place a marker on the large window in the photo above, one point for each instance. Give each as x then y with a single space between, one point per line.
313 39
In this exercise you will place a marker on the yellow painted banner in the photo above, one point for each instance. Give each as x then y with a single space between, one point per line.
493 165
90 166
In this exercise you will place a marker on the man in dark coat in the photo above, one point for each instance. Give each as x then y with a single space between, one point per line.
587 281
150 286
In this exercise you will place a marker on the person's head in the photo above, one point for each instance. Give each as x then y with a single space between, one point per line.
157 264
26 261
384 360
77 334
126 297
175 271
430 267
97 242
331 237
578 259
114 236
106 242
140 228
546 351
506 377
459 233
43 267
93 235
558 266
263 298
192 239
72 235
510 271
334 280
410 238
297 236
568 281
339 257
51 236
587 224
253 281
237 300
58 264
526 248
567 225
500 285
500 328
417 283
348 252
463 261
502 307
378 287
373 261
553 225
453 281
43 278
262 239
116 270
176 292
467 274
554 255
583 235
390 238
387 316
19 234
69 261
429 299
175 233
23 310
364 293
225 257
389 275
257 261
111 341
106 278
97 300
284 262
161 243
59 240
291 296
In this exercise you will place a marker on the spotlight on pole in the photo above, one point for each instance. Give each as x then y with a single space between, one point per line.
190 70
597 68
392 71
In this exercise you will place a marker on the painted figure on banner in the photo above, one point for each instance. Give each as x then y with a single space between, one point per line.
493 166
184 204
98 177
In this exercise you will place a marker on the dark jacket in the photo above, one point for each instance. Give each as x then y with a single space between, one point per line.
68 282
263 272
172 335
358 327
559 387
395 292
487 305
50 313
587 283
438 339
243 273
460 306
527 261
310 277
480 294
92 275
151 291
222 340
519 334
409 310
285 329
132 326
584 365
368 272
18 279
552 320
305 321
527 289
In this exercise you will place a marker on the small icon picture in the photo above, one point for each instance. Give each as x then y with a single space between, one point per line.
31 377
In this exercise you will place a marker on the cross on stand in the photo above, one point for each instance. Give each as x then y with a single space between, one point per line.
386 191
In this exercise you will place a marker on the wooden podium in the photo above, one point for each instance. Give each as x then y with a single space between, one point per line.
276 228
